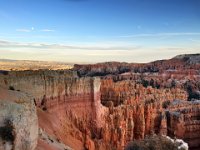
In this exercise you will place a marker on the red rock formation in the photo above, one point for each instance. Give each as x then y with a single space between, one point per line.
184 121
69 103
108 113
179 63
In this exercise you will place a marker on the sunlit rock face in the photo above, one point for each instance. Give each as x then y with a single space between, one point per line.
18 121
141 111
159 97
66 104
184 121
120 103
55 90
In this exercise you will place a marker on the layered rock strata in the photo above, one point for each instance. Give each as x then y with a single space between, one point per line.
133 101
64 101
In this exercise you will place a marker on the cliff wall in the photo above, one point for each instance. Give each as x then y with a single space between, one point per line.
66 102
106 113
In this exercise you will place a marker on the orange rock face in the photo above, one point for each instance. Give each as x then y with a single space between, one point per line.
67 106
139 111
128 102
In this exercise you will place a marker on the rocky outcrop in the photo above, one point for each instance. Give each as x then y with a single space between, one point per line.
183 121
71 107
178 63
146 110
118 92
158 143
80 112
42 84
189 58
64 100
18 121
102 69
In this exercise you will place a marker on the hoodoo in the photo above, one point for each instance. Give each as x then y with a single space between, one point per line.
94 108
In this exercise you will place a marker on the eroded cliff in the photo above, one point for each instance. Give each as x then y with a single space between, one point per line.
68 106
127 103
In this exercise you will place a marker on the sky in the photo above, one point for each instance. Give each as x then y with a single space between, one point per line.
89 31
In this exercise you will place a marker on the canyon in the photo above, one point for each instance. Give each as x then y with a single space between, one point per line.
102 106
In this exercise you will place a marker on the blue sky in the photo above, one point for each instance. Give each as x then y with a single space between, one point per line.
98 30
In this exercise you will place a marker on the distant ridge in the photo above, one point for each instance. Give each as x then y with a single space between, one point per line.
189 58
187 55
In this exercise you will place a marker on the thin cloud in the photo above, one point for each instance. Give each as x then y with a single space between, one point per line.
47 30
160 34
60 46
33 29
89 53
170 48
23 30
196 41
